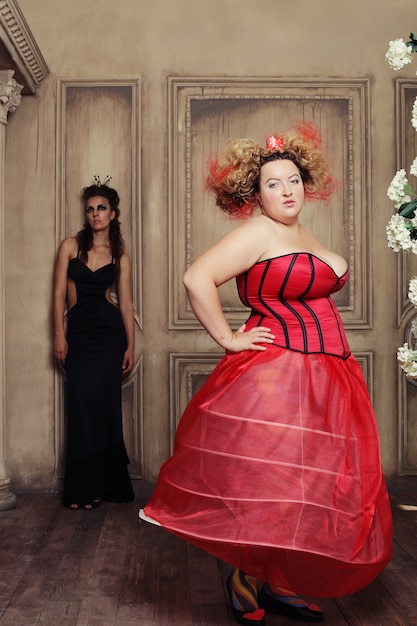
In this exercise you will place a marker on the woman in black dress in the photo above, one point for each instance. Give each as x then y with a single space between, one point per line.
96 350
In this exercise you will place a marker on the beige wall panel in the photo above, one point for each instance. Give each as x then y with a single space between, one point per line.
204 114
98 134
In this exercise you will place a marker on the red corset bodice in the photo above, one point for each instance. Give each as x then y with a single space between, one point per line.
290 294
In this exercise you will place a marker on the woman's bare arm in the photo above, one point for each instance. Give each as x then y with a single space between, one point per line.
235 253
65 253
124 294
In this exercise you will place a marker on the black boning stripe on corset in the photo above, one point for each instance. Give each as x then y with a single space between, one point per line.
285 303
274 314
307 308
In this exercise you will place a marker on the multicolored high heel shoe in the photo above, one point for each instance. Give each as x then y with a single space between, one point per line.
290 608
253 618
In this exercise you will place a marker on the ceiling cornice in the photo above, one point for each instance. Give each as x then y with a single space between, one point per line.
18 48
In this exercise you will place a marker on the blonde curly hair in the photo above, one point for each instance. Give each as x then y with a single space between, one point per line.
234 176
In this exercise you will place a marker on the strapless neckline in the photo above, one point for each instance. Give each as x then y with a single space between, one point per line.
309 254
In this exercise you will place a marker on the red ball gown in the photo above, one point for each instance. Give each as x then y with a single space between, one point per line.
276 467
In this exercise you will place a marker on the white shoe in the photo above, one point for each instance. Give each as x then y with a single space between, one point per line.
145 518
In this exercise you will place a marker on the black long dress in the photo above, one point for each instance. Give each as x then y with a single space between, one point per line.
96 457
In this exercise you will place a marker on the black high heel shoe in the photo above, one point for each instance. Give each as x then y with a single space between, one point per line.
304 613
253 618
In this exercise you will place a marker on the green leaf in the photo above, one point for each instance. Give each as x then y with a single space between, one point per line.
408 208
412 45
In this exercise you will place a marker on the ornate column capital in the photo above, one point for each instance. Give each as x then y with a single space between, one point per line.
10 94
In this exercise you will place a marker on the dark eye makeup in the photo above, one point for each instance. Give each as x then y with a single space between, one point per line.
100 207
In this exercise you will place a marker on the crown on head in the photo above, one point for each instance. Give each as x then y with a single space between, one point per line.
98 182
275 142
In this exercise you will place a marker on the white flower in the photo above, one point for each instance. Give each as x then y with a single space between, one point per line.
412 291
407 360
399 54
413 168
398 234
414 114
399 189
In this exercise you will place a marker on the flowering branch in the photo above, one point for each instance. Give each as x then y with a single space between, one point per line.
402 227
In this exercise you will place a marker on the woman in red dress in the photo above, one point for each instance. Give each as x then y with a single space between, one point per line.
276 467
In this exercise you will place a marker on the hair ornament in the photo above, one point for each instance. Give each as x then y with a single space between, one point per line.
275 142
98 182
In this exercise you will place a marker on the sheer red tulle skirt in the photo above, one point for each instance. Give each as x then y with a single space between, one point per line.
276 470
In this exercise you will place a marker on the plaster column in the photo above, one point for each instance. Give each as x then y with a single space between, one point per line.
9 100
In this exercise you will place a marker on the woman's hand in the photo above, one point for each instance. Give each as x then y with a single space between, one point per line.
128 361
250 340
60 348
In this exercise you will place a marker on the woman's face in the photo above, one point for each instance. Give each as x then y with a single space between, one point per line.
281 191
98 213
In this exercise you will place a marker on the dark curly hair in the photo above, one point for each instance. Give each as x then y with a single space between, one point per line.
85 236
234 176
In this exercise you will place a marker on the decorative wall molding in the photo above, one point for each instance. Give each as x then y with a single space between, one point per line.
407 401
10 95
204 112
18 48
366 361
406 93
187 373
105 116
99 133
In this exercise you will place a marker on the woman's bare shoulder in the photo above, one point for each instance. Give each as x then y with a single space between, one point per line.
125 259
258 221
69 242
256 226
69 246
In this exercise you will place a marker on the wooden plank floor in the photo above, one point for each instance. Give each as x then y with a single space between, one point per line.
105 568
